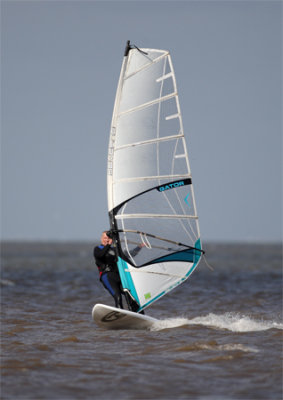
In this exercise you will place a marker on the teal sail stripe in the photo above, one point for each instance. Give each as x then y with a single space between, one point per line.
190 255
126 278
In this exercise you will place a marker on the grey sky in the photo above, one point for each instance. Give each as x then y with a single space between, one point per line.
60 65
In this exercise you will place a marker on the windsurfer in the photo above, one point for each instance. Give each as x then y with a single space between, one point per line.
105 259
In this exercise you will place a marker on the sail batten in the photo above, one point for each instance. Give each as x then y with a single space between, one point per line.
138 271
151 178
151 200
162 78
172 116
147 104
150 141
169 216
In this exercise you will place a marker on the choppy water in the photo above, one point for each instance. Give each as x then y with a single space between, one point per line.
220 334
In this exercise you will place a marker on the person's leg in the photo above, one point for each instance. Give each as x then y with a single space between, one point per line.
115 282
107 283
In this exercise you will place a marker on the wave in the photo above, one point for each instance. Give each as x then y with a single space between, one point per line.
213 345
6 282
234 322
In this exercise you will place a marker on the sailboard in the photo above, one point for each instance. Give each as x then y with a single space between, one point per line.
151 200
108 317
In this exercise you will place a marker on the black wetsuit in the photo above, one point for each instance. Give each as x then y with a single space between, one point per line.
106 262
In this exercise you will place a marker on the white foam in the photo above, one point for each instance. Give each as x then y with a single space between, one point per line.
6 282
169 323
234 322
237 347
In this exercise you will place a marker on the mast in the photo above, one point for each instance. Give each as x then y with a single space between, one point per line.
112 138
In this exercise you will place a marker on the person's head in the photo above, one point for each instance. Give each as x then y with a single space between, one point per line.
105 240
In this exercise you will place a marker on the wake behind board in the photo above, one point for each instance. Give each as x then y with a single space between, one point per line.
116 318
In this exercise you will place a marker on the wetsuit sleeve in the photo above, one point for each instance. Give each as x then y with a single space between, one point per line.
101 252
135 251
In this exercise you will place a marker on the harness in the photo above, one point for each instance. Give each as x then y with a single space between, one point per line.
104 267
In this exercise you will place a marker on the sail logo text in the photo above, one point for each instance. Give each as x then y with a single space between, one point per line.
171 186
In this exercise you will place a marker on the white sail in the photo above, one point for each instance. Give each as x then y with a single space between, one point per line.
150 192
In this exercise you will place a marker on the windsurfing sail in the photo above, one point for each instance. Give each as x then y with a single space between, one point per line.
151 200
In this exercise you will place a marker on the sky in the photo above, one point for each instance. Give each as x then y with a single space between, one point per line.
60 64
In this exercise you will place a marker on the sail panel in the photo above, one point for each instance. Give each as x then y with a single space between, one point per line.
139 61
131 187
151 282
147 122
144 87
179 223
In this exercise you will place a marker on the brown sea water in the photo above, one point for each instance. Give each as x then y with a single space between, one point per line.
219 335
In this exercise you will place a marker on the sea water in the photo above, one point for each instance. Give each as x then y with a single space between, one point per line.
219 335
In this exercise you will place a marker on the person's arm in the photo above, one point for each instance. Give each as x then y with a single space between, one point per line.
136 250
99 253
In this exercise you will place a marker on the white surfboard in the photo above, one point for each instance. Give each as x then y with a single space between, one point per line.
108 317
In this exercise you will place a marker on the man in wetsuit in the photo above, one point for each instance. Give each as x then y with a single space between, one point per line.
105 260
